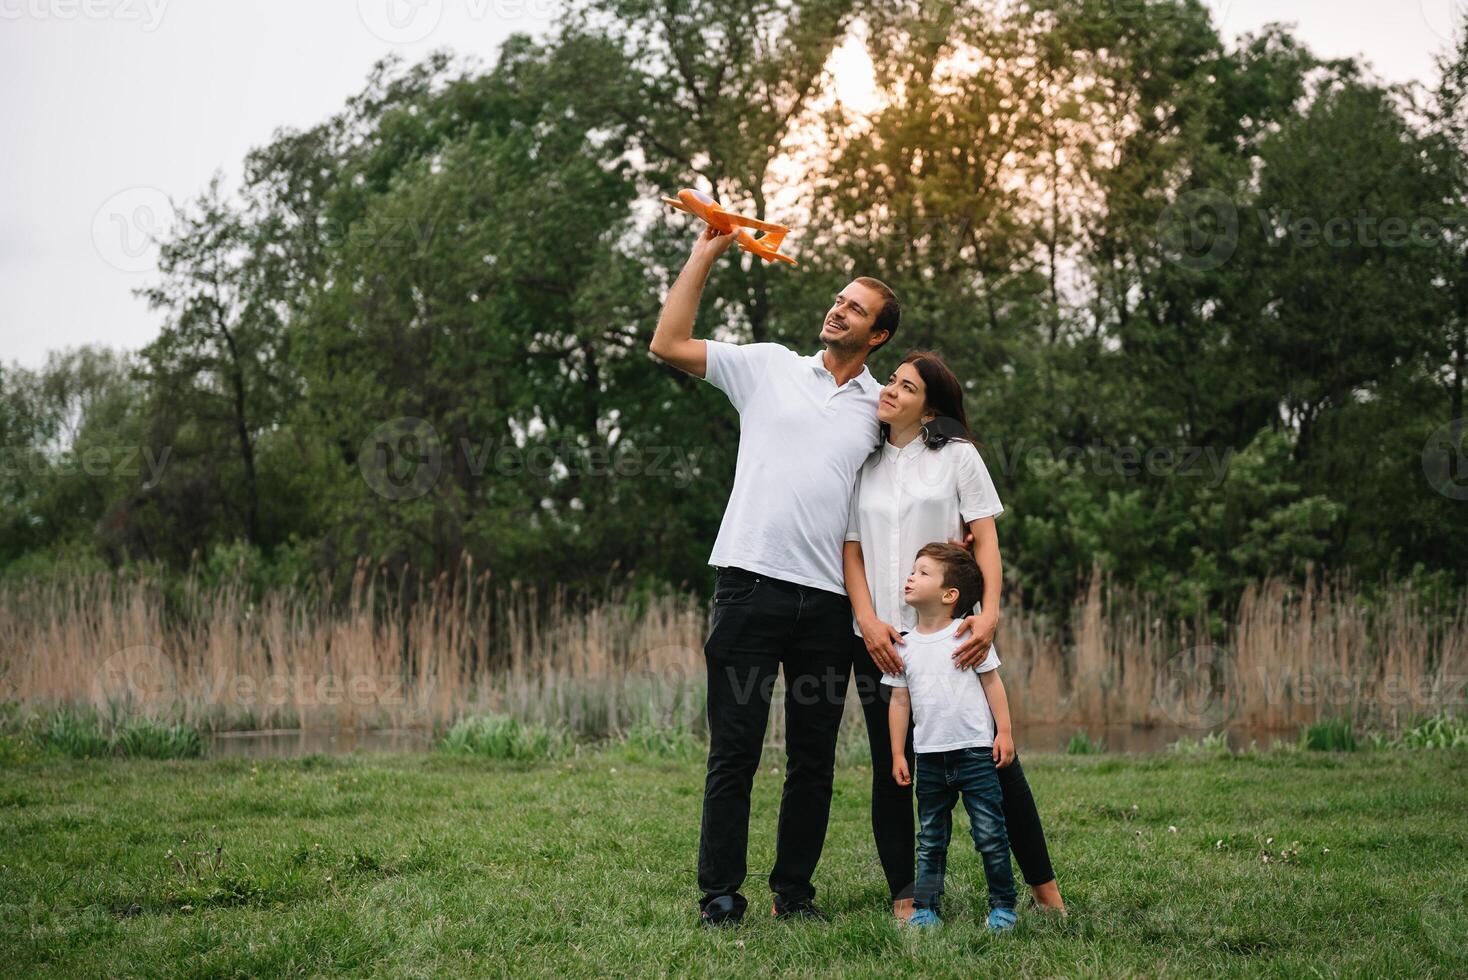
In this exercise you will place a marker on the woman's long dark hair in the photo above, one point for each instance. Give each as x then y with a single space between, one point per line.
944 399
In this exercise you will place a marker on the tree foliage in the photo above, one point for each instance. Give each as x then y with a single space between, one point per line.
1209 301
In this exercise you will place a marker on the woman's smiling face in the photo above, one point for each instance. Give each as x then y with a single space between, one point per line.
904 400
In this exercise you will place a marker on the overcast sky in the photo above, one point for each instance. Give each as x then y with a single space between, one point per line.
111 107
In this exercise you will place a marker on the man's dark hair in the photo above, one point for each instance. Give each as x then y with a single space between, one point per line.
890 315
960 571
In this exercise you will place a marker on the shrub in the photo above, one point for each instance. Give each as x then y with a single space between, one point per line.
1438 732
1080 744
82 735
1215 743
502 737
144 738
662 743
1329 735
79 736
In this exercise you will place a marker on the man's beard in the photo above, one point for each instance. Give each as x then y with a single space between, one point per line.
845 343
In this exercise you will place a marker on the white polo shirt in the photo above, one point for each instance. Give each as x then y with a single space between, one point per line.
949 708
907 498
802 440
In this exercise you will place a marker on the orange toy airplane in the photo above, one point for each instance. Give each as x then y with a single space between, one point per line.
766 246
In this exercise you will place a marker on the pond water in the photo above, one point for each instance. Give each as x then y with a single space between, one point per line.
283 744
1135 738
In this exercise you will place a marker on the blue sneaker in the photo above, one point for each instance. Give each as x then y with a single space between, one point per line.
1002 920
925 919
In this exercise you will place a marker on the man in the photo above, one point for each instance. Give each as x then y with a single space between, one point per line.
806 424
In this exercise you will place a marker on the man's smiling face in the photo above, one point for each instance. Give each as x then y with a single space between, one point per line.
848 324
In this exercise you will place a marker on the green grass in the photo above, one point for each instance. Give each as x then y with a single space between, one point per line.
437 864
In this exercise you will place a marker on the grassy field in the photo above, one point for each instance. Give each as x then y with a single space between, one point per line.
430 865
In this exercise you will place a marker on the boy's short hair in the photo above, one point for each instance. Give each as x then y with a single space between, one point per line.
960 572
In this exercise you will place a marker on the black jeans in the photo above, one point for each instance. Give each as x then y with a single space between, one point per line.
893 826
758 625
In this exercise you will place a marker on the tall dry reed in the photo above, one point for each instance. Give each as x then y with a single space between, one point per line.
216 659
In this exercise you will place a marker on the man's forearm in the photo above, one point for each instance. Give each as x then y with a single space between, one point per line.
680 309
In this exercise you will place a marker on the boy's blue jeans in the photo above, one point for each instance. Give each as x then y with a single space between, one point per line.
940 778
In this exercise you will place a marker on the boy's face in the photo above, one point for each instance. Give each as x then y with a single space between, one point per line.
925 585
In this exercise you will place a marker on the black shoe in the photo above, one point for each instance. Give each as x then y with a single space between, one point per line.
802 909
722 911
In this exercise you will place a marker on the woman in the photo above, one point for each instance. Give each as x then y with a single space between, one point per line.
925 482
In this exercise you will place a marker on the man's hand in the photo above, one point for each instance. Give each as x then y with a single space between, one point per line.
882 642
1003 749
900 775
975 649
711 244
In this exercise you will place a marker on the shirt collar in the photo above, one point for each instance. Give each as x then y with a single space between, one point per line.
911 449
864 379
943 634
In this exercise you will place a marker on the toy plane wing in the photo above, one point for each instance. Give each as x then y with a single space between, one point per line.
755 223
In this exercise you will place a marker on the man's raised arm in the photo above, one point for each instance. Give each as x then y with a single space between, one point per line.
673 340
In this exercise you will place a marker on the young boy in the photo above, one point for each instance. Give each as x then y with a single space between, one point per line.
956 713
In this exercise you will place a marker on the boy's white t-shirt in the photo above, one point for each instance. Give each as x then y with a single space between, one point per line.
949 709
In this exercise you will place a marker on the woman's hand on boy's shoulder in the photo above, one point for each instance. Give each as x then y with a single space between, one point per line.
975 650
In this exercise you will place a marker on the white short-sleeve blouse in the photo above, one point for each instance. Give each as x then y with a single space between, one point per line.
907 498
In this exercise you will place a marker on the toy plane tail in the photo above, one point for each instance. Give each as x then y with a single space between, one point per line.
772 239
766 246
